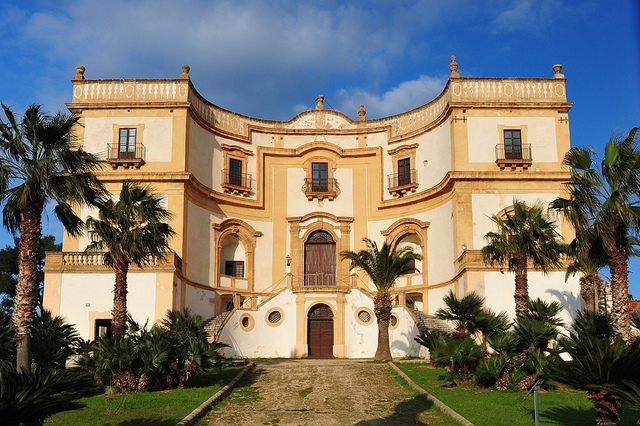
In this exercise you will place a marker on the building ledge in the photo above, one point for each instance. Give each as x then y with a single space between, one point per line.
514 164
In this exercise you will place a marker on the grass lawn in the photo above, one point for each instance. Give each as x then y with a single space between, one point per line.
146 408
493 407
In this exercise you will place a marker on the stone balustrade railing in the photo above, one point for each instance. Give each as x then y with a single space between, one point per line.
91 260
462 90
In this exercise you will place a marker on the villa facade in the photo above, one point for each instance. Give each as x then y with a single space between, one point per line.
262 209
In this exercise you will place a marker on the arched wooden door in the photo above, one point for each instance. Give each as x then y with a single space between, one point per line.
320 332
320 260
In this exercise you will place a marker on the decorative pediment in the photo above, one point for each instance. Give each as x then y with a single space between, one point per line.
322 119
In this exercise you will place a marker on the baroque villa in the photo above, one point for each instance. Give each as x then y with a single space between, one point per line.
263 208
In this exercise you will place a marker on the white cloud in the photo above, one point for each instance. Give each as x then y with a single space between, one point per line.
255 57
404 97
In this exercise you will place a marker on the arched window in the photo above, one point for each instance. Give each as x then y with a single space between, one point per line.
413 242
232 257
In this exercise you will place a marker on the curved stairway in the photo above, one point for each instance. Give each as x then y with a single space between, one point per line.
213 326
426 322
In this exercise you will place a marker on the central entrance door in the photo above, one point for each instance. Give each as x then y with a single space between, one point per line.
320 332
320 260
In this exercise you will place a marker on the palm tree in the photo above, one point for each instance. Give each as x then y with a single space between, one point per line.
470 316
588 258
383 266
607 199
526 234
598 365
40 163
130 231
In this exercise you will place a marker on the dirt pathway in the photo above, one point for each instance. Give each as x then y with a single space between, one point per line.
323 392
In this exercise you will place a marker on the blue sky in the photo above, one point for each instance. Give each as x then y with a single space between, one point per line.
269 59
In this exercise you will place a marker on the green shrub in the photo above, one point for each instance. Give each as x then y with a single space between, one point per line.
168 355
31 397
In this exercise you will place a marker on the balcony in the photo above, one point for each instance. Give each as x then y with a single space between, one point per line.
236 183
400 184
320 188
513 157
118 158
321 282
83 261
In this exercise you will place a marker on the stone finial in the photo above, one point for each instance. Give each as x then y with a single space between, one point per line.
557 68
362 113
79 73
453 66
185 71
320 105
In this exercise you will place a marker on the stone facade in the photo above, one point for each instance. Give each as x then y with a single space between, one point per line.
263 208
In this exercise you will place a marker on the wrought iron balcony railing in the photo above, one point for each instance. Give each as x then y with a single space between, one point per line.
236 183
510 152
126 157
513 156
401 183
242 180
320 188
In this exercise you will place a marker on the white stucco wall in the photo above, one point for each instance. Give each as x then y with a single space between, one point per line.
200 259
435 149
435 297
200 301
484 135
205 156
156 135
499 290
485 205
361 340
402 339
440 250
81 294
263 341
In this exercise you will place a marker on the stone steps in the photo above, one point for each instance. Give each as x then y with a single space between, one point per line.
426 322
213 326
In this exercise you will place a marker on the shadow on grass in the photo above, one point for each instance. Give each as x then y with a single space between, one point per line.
404 413
215 376
144 422
568 415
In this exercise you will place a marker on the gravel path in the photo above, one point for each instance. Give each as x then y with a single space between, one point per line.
322 392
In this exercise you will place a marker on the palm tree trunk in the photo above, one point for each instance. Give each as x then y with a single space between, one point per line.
521 295
588 287
619 268
26 289
607 406
382 309
119 320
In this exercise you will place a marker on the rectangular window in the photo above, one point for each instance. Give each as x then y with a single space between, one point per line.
235 172
404 171
103 328
512 144
320 177
127 143
234 268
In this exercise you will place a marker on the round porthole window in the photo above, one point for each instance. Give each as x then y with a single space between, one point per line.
247 322
364 316
274 317
393 322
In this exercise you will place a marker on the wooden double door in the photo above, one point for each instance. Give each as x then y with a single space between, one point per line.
320 260
320 332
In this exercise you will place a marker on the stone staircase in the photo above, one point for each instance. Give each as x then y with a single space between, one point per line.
426 322
213 326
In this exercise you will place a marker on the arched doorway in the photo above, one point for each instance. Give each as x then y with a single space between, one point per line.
320 260
320 332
